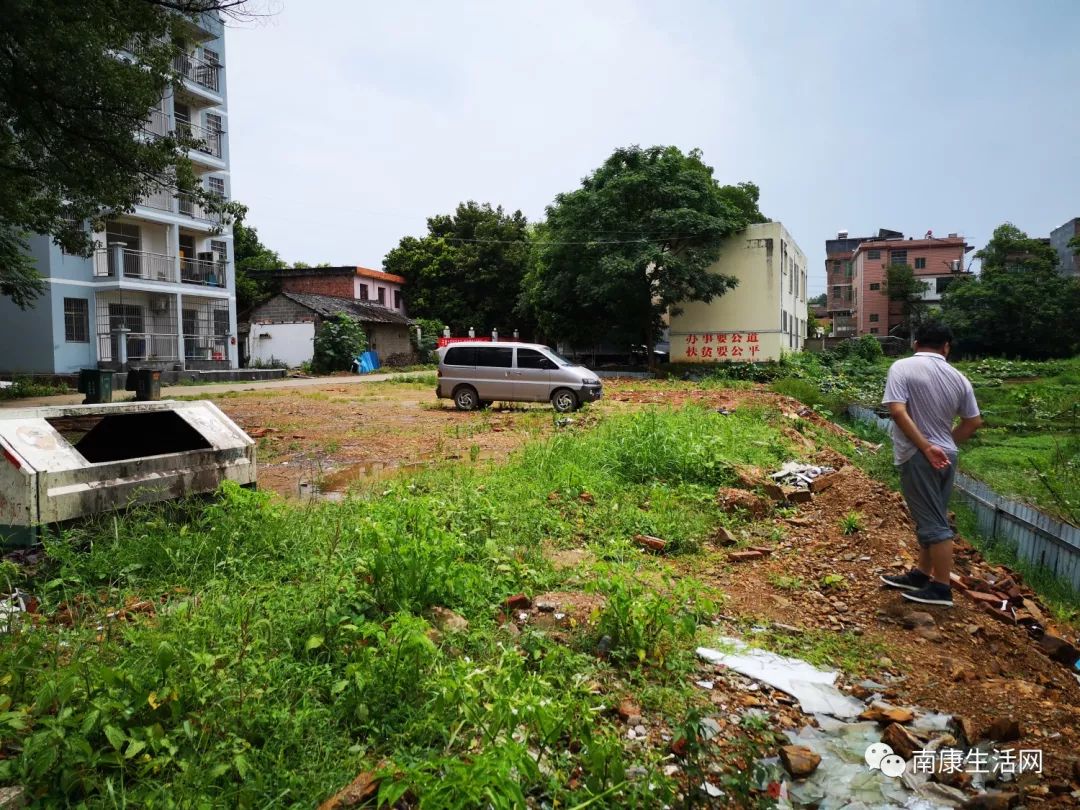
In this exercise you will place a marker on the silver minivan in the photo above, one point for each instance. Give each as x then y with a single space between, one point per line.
476 373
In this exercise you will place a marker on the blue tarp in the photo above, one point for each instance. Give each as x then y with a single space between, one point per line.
366 362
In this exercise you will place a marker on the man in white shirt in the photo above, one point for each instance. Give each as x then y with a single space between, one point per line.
925 395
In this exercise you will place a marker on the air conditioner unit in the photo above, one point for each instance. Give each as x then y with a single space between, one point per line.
206 256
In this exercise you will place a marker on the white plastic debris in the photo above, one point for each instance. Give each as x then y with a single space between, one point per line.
11 606
813 688
794 474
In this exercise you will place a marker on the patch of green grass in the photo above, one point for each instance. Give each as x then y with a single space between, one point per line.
787 583
418 380
245 652
851 523
24 387
852 654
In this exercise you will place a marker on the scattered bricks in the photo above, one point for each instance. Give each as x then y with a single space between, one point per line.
823 482
733 500
627 709
965 728
362 789
518 601
988 598
1059 650
724 537
992 800
1003 729
745 556
765 550
1033 609
1001 616
649 542
902 741
798 495
775 491
884 714
799 760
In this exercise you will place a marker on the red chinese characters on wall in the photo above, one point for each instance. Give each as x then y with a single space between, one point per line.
722 345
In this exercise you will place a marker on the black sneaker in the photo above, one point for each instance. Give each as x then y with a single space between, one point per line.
913 580
936 593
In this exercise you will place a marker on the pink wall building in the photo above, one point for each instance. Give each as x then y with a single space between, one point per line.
936 261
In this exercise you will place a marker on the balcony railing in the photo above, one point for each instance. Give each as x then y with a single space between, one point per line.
205 74
157 123
124 263
208 140
202 271
162 199
205 347
141 346
191 207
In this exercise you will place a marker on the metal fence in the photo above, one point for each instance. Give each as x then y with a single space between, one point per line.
1035 536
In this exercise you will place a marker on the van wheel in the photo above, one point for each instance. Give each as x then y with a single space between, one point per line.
564 400
466 399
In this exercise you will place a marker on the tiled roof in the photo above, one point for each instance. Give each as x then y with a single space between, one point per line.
379 275
363 311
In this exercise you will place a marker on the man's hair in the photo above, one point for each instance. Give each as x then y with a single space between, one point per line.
933 334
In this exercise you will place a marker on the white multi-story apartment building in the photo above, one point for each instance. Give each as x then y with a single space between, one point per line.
160 287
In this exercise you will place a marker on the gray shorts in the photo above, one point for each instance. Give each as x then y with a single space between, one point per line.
927 492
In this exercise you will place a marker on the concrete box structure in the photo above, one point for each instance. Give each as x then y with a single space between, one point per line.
160 288
937 262
67 462
763 317
283 328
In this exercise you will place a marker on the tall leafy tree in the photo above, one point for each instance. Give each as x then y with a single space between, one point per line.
633 243
254 262
467 270
906 290
1019 305
74 103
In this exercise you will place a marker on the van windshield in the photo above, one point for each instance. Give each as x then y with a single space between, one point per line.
554 355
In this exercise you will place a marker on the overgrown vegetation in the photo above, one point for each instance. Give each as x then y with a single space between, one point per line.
339 341
22 387
249 653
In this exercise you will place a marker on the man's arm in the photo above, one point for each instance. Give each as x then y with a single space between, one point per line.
934 454
962 432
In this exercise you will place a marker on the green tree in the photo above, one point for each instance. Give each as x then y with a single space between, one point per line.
339 340
633 243
1018 305
903 287
467 271
73 116
253 262
1074 244
812 323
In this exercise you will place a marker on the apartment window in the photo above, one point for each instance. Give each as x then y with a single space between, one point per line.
873 317
213 122
122 232
364 292
873 254
847 293
873 330
216 186
397 299
783 321
920 264
943 283
836 292
220 250
187 246
847 269
875 286
382 296
211 57
897 257
836 266
76 320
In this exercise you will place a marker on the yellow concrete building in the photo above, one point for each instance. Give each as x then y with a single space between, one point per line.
762 318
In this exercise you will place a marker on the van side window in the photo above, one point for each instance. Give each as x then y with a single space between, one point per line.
494 357
460 356
531 358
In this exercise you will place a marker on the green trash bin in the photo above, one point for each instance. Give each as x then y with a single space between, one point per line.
146 383
97 384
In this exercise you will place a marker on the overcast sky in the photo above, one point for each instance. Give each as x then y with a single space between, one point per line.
351 121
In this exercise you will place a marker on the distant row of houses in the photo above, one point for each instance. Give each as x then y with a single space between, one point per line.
856 270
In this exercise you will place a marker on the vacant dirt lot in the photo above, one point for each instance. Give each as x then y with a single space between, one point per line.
817 580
